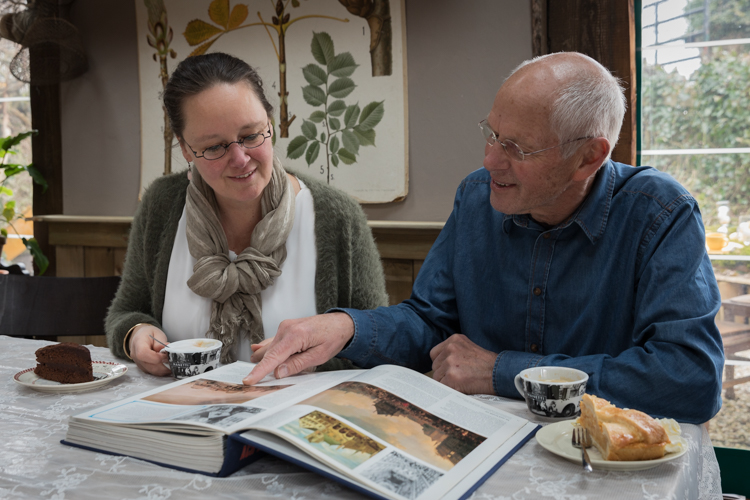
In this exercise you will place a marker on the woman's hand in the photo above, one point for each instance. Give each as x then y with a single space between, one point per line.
146 352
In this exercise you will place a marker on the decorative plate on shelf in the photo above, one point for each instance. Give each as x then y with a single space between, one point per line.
556 438
104 373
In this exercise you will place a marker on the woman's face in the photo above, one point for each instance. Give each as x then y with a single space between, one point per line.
218 116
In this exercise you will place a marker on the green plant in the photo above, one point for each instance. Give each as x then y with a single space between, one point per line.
355 126
7 145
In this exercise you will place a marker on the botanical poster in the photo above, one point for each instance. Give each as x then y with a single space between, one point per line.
334 71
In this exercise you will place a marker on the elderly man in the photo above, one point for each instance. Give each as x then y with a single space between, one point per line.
553 255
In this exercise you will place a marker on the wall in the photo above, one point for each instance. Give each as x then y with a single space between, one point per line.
458 54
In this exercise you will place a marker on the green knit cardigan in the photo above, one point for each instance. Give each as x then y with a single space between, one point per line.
348 273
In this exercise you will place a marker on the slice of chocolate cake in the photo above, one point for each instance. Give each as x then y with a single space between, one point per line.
67 363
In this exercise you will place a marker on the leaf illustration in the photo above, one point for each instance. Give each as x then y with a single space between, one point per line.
309 129
347 157
312 152
317 116
198 31
218 11
314 96
371 115
351 115
334 123
322 48
315 75
351 143
238 16
335 160
366 137
203 48
334 144
336 108
323 137
296 147
342 65
341 88
295 3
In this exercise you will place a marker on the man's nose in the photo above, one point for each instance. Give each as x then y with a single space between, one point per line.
495 157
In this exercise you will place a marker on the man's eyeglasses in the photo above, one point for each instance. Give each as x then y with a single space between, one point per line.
251 141
512 149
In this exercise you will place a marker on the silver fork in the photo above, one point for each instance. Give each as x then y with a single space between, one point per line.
580 440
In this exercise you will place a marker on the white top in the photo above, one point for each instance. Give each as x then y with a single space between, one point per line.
186 315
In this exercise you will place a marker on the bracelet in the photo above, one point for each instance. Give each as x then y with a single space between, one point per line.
127 336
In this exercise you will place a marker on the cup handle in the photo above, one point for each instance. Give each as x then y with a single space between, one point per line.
519 385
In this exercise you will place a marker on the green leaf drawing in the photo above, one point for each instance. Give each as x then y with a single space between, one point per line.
345 129
342 65
371 115
366 138
341 88
309 129
351 115
314 96
347 157
336 108
317 116
322 48
351 143
312 152
315 75
296 147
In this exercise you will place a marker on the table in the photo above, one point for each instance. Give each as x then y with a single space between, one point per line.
33 463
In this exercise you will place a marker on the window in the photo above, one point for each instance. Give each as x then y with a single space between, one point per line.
15 117
695 125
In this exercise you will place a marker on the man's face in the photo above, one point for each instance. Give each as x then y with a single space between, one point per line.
539 184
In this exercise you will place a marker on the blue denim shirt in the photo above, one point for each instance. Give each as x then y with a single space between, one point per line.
623 290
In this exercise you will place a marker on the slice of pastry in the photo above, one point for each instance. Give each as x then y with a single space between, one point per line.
622 434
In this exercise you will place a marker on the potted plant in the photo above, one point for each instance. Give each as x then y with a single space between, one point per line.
9 214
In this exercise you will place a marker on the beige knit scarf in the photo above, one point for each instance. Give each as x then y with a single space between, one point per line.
235 286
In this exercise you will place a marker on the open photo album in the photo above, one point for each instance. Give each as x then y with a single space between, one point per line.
388 432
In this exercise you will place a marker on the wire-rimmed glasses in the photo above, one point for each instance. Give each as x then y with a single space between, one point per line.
251 141
512 149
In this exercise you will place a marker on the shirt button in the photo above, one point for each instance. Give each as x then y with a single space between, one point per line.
537 291
546 236
534 348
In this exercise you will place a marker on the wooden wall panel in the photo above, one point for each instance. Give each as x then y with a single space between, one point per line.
89 246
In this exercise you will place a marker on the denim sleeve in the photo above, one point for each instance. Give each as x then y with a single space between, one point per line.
404 334
674 366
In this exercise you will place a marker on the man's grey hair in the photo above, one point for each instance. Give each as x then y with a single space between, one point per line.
591 104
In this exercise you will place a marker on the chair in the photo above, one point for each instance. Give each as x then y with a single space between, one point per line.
48 306
734 463
736 338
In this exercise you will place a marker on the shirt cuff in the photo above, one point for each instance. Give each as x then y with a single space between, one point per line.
362 343
507 365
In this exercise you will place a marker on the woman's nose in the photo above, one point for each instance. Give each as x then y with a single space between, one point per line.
238 154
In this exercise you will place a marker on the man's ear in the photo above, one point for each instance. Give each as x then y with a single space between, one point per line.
593 154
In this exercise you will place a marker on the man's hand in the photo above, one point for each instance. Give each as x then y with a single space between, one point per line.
146 352
300 344
461 364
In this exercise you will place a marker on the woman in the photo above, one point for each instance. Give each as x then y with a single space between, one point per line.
237 245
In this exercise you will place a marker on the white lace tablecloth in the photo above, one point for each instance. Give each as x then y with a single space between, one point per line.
33 463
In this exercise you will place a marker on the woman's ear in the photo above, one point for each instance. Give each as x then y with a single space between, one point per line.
186 152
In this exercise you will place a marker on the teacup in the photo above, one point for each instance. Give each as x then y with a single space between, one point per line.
552 391
193 356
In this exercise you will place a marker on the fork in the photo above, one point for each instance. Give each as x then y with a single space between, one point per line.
580 439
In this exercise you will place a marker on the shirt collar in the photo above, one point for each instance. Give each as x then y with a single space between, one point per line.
591 215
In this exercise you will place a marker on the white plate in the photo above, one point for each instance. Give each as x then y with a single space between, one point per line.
556 438
104 373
